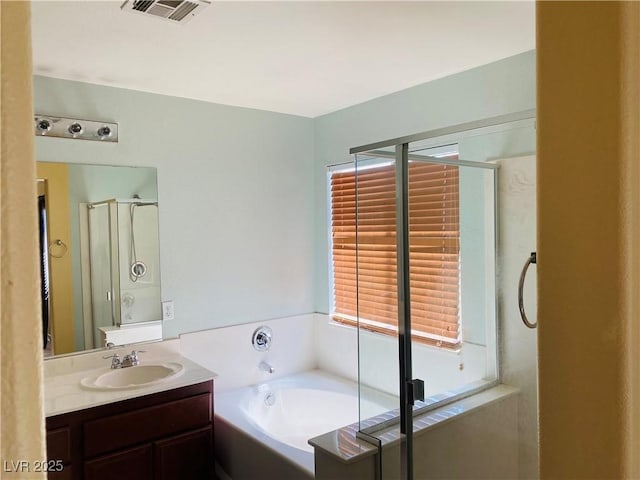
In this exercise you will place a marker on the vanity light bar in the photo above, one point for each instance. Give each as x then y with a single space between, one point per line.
50 126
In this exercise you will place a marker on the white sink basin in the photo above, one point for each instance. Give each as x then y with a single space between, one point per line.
133 377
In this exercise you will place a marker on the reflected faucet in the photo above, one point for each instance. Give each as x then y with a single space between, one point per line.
265 367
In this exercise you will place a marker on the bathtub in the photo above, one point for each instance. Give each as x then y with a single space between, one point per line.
261 431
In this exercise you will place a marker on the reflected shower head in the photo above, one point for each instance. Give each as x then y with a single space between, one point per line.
140 202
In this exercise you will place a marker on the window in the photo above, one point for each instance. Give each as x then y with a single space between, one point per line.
434 234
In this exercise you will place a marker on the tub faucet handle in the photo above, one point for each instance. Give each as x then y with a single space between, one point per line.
261 338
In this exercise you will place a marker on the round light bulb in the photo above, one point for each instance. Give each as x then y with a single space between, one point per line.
75 129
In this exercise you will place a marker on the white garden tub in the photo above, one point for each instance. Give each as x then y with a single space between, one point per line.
262 430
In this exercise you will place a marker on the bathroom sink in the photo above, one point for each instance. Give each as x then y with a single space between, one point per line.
133 377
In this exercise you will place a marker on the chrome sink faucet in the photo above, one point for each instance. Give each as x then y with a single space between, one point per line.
115 360
130 360
265 367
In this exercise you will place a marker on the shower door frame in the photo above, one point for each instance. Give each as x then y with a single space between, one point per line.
113 294
402 157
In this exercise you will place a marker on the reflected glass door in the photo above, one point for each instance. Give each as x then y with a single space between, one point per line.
101 281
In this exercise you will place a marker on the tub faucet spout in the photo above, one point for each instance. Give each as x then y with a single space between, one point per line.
265 367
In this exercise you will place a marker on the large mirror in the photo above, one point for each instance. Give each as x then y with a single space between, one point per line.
99 251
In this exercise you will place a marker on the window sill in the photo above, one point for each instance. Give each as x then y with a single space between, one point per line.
391 337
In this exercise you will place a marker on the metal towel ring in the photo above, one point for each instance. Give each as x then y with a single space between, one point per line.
58 243
532 259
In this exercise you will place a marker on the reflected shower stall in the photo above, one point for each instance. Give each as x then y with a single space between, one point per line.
123 253
428 239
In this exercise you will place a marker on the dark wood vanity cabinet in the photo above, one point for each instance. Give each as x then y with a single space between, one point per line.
162 436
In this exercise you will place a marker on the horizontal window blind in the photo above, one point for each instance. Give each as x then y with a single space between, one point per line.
434 238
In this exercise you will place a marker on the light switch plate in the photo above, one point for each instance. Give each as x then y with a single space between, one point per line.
167 310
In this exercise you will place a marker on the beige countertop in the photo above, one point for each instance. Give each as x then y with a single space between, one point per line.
63 392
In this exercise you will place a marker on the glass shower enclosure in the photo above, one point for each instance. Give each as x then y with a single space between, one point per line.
125 263
421 271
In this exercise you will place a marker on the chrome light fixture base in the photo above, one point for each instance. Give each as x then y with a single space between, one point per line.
52 126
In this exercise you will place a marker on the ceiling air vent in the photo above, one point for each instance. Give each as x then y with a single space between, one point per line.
175 10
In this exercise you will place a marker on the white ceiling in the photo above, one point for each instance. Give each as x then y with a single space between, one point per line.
302 58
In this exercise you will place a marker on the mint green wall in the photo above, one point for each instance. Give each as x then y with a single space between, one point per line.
242 193
498 88
235 193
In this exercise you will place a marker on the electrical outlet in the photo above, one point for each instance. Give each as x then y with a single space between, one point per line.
167 310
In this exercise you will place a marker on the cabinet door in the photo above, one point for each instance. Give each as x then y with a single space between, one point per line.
65 474
188 456
59 452
133 464
59 445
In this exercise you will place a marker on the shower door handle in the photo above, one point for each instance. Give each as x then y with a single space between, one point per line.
415 390
532 259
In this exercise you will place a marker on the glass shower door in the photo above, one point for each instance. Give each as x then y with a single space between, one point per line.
452 246
429 297
364 265
497 233
425 229
376 297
